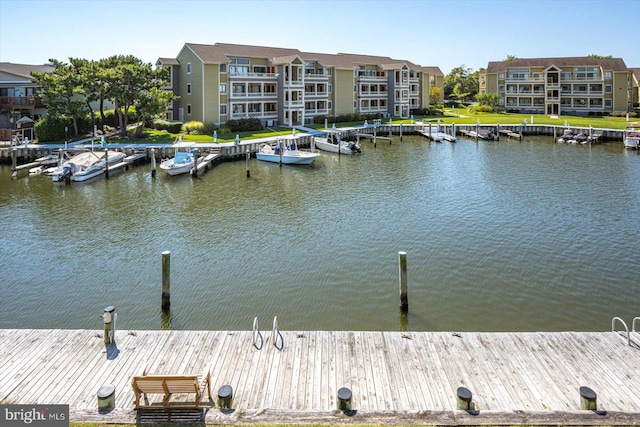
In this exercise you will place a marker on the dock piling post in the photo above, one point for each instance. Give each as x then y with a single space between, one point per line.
463 398
588 399
402 269
166 280
225 397
153 162
106 163
108 318
248 157
400 132
14 162
375 136
344 399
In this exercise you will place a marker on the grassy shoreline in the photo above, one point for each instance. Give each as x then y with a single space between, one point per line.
459 116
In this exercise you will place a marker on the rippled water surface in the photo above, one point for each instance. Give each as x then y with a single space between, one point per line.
500 236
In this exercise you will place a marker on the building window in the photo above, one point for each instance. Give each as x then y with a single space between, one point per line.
188 88
608 75
188 67
329 88
501 76
607 103
328 71
223 68
189 109
223 88
501 88
608 88
223 109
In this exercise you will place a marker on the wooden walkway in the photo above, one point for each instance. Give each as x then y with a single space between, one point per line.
395 377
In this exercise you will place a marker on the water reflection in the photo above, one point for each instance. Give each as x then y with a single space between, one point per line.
504 235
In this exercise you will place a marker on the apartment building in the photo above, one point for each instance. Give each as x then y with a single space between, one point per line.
635 78
18 93
577 86
222 82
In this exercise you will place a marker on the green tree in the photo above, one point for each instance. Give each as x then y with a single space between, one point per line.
435 95
461 83
490 99
129 81
510 58
62 92
93 79
151 104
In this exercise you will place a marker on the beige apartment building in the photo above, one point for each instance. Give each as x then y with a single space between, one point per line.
577 86
280 86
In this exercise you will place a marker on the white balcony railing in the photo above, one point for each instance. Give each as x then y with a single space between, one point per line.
253 75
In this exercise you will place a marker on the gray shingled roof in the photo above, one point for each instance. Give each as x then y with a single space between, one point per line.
168 61
613 64
220 52
23 70
434 71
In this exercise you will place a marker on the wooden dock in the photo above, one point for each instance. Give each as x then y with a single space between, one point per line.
394 377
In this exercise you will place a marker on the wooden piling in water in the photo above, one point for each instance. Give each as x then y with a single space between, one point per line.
248 157
166 280
153 162
402 267
14 161
106 163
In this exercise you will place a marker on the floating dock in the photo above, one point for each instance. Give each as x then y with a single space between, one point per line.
394 377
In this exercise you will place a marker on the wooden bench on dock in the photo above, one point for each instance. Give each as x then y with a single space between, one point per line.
169 385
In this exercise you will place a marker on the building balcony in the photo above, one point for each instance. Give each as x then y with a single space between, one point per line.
293 104
252 76
316 77
316 94
21 102
371 76
373 94
316 111
254 115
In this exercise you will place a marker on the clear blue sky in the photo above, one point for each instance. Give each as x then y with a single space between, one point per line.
444 33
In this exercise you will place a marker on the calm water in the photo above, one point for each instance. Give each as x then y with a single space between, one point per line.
500 236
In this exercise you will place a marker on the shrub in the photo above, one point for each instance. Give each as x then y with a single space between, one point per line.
193 128
51 128
244 125
479 109
111 118
171 126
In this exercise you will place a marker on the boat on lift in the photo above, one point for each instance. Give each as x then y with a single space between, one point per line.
182 162
85 165
286 152
334 144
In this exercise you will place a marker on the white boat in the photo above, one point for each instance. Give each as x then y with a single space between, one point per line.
182 162
332 143
286 152
567 136
99 167
85 165
632 140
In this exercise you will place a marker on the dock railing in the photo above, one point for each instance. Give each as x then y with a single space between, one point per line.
613 327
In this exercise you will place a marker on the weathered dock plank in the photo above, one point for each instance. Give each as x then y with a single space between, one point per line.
395 377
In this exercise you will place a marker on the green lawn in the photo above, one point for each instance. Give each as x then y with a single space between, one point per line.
457 116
